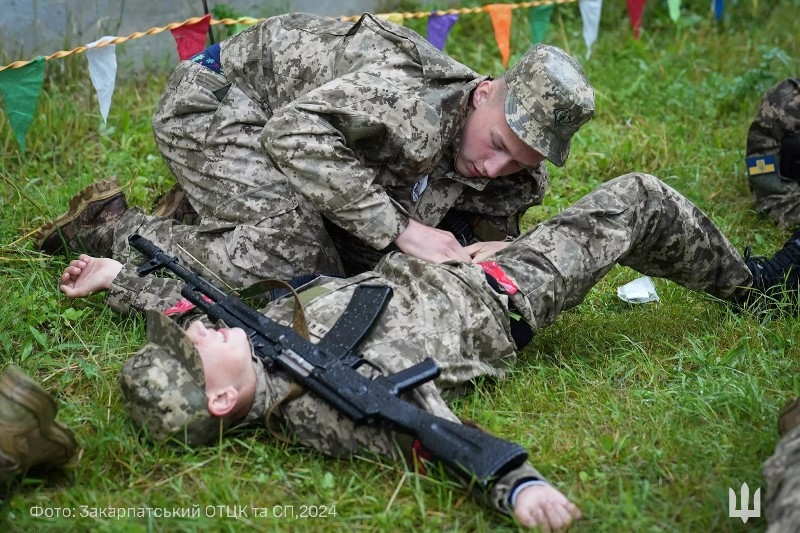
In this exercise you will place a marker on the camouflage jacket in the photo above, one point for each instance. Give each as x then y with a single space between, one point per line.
365 122
439 311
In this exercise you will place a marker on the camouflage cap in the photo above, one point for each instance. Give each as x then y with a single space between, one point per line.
549 99
164 386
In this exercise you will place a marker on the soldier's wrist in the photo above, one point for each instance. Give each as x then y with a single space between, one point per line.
519 487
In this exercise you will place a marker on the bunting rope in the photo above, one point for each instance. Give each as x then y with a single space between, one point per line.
251 20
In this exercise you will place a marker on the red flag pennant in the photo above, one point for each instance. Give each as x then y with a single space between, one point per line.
191 38
635 10
501 23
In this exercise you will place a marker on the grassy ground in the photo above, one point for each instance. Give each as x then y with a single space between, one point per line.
644 415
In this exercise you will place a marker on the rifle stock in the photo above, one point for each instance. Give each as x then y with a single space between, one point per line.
474 455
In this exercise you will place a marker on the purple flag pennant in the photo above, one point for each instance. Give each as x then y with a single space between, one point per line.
439 27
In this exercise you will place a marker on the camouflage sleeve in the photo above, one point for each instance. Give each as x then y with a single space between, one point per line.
331 142
778 116
498 497
130 293
316 424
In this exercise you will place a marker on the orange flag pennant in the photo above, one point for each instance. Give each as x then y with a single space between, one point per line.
501 23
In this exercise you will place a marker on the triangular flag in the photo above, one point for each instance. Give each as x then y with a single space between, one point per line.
501 23
538 20
635 9
590 13
439 28
674 9
397 18
718 6
103 72
191 39
20 88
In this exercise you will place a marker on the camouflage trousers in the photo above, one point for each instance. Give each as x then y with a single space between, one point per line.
782 474
251 219
634 220
778 116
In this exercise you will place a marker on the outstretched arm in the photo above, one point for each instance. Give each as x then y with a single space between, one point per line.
126 290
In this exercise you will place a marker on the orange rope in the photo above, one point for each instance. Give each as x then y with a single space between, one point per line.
251 20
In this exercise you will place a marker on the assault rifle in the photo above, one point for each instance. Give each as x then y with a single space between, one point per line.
329 370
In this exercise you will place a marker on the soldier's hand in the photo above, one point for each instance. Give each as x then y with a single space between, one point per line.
430 244
480 251
545 507
87 275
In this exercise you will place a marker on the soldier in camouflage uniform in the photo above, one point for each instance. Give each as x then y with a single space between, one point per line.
455 312
773 154
303 136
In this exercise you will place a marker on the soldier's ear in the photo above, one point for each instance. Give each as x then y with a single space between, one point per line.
482 93
222 401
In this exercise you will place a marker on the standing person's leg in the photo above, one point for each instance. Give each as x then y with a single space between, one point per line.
635 220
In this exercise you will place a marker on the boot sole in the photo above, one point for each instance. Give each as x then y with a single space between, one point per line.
20 388
98 191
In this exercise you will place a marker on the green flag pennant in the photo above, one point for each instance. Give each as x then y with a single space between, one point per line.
674 9
538 20
20 88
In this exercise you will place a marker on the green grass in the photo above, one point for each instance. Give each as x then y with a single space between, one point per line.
644 415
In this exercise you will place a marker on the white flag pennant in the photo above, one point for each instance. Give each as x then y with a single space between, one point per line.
103 71
590 13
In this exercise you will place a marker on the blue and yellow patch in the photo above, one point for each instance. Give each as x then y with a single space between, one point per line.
762 164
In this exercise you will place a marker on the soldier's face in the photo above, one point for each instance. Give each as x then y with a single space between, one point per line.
488 146
225 353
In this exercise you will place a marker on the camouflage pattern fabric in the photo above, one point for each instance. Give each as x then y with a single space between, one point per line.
450 313
533 98
635 220
782 474
778 117
357 123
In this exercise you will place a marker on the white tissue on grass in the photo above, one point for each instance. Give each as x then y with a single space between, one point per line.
638 291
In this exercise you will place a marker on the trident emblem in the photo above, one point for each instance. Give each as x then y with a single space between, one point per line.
745 513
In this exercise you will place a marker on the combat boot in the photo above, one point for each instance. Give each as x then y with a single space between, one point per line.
87 226
777 277
29 434
174 204
789 418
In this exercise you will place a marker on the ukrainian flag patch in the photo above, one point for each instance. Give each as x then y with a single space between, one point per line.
762 164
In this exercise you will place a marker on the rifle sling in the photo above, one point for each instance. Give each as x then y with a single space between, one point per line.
348 331
357 319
